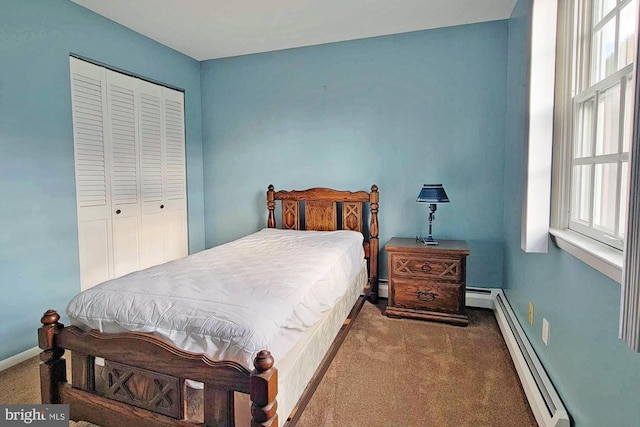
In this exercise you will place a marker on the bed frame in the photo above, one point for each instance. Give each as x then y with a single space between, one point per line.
145 375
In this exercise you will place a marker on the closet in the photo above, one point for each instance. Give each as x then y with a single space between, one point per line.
129 150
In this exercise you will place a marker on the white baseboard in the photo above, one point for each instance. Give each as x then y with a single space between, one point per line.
19 358
546 405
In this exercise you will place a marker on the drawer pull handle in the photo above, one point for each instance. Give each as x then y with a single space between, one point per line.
426 296
426 267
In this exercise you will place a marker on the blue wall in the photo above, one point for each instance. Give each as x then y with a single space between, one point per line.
39 266
597 376
397 111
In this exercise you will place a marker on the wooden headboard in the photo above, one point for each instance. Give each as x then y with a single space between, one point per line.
325 209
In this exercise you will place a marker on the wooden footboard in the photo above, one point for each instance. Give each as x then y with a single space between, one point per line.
145 379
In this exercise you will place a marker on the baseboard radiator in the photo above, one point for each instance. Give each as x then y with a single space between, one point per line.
543 398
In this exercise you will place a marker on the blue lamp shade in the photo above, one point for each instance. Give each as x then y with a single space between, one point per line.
432 193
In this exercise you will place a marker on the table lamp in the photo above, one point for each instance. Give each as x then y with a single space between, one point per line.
432 194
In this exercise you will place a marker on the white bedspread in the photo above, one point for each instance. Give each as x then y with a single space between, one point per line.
234 299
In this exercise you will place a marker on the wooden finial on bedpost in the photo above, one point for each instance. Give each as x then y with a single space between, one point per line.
263 391
374 198
271 205
53 371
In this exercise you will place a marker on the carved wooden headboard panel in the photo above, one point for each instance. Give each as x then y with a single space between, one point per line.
325 209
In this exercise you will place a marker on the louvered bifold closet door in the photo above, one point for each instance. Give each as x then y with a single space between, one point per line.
152 166
129 140
88 100
175 182
125 174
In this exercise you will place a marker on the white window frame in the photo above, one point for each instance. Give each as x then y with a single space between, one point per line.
585 243
537 181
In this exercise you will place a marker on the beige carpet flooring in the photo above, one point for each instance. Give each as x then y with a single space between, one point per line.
402 372
393 372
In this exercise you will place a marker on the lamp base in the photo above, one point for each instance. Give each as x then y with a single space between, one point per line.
427 240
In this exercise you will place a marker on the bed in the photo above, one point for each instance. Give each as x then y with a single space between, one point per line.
143 379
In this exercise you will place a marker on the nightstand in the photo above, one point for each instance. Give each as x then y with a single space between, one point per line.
427 281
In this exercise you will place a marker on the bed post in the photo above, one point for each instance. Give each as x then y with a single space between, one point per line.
264 387
374 197
53 370
271 205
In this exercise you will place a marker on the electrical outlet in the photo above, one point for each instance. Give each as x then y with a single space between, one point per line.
545 331
530 313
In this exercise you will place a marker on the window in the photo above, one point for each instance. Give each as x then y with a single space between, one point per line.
596 190
596 79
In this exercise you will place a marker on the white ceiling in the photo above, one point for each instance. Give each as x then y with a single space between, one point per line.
208 29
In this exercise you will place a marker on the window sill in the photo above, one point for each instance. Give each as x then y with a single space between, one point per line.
603 258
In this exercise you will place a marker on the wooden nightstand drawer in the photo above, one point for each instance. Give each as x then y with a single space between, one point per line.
418 266
427 295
